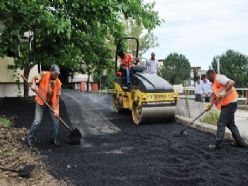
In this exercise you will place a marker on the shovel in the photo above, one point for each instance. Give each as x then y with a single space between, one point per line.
23 172
75 134
180 133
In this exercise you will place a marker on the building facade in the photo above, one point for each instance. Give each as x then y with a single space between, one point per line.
8 79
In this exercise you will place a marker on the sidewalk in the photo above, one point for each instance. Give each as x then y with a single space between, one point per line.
241 118
193 109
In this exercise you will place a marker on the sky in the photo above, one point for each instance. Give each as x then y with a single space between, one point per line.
201 29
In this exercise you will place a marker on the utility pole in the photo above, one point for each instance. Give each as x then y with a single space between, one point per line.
218 65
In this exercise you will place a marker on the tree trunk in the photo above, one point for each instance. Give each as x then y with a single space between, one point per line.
26 87
88 82
100 83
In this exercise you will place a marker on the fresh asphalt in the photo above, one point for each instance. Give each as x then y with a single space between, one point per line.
114 151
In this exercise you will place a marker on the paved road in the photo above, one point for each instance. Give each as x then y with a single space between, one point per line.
116 152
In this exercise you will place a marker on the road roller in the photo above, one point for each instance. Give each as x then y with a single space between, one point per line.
149 97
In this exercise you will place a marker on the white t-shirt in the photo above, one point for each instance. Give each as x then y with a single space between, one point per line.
222 79
198 88
152 66
207 88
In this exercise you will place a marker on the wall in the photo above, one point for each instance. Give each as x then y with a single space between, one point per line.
192 110
8 86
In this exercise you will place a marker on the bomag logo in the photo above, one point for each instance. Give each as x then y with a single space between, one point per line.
160 96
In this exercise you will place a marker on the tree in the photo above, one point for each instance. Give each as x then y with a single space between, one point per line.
105 76
234 65
34 33
64 32
176 68
146 38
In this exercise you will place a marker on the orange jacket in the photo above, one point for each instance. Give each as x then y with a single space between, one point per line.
43 90
127 61
231 96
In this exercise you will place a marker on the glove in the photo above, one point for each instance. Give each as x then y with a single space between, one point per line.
208 107
119 73
33 87
55 114
221 95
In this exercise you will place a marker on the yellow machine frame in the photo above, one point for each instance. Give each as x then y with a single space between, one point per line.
136 101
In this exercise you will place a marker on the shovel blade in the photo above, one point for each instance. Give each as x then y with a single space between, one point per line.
75 137
180 134
26 171
76 133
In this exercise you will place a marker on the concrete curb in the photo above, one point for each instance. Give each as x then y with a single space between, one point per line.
205 127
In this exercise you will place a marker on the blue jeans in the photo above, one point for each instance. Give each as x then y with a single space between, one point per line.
128 75
39 111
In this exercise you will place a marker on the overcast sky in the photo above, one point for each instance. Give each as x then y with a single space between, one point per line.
201 29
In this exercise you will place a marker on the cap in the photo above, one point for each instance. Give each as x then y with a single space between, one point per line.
55 69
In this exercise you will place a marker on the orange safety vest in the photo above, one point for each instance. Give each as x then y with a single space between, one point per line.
232 95
127 61
43 90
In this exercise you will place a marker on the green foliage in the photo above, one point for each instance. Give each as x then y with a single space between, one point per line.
106 77
75 34
234 65
147 40
49 31
211 117
5 122
176 68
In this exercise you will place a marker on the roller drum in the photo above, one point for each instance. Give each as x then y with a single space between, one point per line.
153 113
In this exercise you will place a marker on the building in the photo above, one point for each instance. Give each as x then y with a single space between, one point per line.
8 79
161 62
197 72
79 81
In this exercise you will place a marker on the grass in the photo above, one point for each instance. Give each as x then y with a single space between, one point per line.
211 117
5 122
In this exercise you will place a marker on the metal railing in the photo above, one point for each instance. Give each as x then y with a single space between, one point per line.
188 92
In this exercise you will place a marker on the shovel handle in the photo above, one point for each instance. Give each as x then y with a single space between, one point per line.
47 104
9 170
199 116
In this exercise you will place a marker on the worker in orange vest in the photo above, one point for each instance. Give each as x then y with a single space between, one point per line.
226 94
126 64
50 90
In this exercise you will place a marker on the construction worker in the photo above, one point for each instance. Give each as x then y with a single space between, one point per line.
207 88
50 90
153 65
126 63
198 90
226 96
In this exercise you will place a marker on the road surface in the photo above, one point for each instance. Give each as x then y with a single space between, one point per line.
116 152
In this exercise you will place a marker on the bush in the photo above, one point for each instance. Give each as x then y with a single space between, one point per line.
211 117
5 122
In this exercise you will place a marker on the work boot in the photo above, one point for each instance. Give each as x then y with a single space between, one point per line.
214 147
30 141
55 142
238 144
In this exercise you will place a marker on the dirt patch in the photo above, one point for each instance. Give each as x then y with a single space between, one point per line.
14 155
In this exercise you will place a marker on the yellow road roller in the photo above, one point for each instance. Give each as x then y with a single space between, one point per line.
149 97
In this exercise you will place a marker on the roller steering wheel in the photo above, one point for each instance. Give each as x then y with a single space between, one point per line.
135 61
